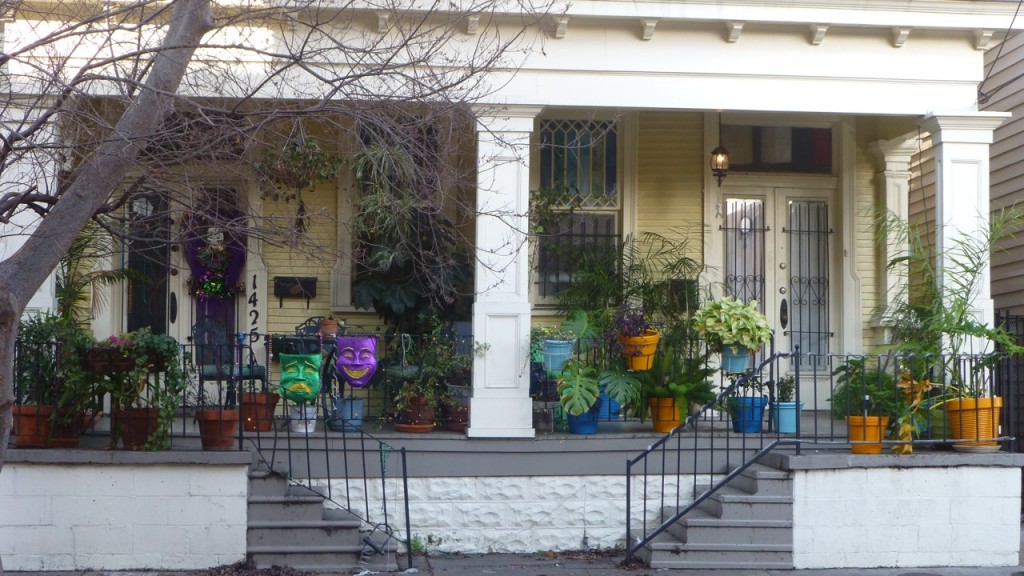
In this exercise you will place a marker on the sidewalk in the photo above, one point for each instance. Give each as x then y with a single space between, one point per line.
577 564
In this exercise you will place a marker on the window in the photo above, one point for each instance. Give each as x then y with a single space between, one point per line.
778 149
578 178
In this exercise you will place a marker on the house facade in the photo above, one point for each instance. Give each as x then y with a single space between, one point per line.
823 111
826 111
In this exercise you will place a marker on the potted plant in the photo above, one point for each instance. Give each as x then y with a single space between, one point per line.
330 326
579 396
867 398
785 411
555 345
747 407
435 362
143 404
637 335
52 393
678 384
736 329
217 415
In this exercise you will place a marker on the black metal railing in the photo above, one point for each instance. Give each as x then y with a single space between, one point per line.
921 396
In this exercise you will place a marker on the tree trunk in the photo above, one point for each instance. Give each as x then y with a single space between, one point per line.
26 270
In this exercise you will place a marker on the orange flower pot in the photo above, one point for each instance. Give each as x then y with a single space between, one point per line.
866 433
639 350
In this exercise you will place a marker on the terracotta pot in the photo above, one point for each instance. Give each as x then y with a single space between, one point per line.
134 426
258 408
639 350
974 419
32 425
218 428
329 327
454 418
416 416
866 433
664 414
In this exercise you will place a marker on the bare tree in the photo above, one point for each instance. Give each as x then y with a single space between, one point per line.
109 101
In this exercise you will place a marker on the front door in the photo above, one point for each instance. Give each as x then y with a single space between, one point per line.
780 250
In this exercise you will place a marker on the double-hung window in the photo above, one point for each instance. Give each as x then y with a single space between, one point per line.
578 173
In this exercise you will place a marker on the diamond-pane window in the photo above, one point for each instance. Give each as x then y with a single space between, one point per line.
580 156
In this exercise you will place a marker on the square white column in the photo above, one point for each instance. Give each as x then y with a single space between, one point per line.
501 406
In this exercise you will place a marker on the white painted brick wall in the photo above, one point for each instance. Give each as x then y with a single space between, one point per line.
86 517
909 517
516 514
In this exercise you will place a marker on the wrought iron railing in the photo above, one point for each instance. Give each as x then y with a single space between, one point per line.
919 394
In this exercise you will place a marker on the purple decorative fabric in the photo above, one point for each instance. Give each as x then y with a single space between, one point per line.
357 359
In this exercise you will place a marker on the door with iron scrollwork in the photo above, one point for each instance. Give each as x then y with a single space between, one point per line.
780 250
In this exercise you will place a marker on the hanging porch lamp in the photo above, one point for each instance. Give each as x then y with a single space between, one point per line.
719 163
719 157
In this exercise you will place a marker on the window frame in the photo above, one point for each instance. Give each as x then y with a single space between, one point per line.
625 158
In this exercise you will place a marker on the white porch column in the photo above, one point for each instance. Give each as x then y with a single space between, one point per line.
501 406
961 144
894 182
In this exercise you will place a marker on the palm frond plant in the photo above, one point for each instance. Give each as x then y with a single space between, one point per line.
80 279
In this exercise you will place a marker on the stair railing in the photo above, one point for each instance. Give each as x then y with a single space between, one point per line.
717 459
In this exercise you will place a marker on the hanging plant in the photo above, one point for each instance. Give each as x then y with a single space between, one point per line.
299 163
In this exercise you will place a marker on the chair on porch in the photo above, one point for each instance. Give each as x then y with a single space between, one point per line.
217 358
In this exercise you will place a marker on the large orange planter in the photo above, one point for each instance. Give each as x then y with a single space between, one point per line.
866 433
974 419
664 414
639 350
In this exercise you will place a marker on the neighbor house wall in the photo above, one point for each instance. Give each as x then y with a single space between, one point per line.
79 511
1007 169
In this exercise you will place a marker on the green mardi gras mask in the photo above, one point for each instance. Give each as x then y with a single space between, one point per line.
300 377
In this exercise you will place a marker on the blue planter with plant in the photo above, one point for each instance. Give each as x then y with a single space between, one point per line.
747 413
556 352
730 323
610 407
586 423
346 414
735 358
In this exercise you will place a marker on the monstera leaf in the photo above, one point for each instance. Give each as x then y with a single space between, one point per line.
577 387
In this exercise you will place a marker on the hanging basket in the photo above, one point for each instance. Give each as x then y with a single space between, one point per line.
639 350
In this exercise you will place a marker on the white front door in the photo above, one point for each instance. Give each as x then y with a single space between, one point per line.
780 249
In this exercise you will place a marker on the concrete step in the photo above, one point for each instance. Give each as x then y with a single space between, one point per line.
668 553
285 508
291 533
338 559
762 480
701 527
734 504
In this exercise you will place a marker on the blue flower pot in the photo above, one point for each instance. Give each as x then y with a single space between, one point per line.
556 352
747 413
784 416
610 409
735 358
346 415
585 423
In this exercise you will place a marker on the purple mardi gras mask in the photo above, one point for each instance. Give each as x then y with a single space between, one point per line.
357 359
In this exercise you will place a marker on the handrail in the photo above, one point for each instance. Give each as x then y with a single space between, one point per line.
691 422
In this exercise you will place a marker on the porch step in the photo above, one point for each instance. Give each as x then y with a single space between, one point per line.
747 524
289 526
665 552
699 527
